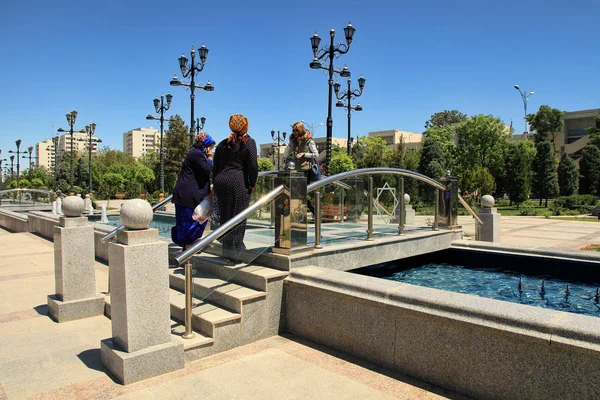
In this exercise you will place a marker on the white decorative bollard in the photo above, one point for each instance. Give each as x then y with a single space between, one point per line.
74 273
490 230
54 207
59 205
141 346
103 217
87 203
409 212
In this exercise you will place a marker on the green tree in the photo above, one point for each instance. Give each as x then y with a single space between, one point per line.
112 183
175 149
37 183
547 123
476 183
444 135
594 132
589 168
567 175
518 170
545 178
371 152
144 176
24 183
340 162
265 164
446 117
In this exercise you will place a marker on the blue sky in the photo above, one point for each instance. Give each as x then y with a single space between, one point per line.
109 59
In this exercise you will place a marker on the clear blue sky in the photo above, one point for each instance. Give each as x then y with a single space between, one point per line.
109 59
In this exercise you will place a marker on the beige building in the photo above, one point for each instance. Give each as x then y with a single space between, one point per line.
45 150
141 141
393 137
269 150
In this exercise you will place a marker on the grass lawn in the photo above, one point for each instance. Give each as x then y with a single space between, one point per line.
591 247
586 219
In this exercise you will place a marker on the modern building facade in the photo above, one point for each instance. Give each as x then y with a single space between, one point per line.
141 141
46 153
393 137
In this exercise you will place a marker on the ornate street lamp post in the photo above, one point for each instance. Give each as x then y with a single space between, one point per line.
525 96
55 159
31 158
89 130
71 117
329 53
12 168
279 140
349 95
18 154
161 107
200 124
191 70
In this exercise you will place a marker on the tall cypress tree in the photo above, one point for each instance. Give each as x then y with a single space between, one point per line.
518 171
567 175
175 148
589 167
545 178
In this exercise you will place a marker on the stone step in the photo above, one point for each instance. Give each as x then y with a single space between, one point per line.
206 317
254 276
207 287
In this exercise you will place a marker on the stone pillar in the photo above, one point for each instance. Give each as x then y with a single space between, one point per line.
141 346
409 212
74 272
448 203
490 230
291 225
87 203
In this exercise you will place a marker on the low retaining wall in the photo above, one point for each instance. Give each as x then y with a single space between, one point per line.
13 221
43 224
479 347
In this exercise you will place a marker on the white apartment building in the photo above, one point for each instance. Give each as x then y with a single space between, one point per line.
141 141
46 153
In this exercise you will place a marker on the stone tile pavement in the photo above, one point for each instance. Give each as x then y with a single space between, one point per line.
40 359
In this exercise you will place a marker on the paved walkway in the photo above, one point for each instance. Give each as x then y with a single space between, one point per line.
40 359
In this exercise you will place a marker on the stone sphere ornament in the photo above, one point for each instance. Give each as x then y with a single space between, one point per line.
487 201
406 198
290 166
73 206
136 214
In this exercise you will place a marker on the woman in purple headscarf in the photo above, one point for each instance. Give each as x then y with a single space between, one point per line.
193 184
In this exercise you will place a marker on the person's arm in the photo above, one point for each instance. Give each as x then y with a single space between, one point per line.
314 153
251 164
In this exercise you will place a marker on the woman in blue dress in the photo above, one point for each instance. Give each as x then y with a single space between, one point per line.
193 184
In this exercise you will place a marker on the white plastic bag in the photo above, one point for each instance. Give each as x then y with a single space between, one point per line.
203 211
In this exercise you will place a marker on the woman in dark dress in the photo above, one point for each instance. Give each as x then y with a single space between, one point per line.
235 174
193 184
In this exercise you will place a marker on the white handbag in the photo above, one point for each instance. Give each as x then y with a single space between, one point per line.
203 211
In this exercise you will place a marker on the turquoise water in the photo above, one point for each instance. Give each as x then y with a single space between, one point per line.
160 222
496 283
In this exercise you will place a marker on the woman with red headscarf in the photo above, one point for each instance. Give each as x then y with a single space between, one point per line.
234 175
193 184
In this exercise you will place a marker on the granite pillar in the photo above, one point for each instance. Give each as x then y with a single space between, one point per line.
74 272
141 346
490 230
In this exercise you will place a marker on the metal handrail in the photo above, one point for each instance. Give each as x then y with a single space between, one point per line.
158 205
229 225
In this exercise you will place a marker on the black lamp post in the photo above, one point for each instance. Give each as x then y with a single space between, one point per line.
1 172
191 70
279 139
89 130
160 107
18 154
349 95
54 163
329 53
71 117
12 168
31 158
200 124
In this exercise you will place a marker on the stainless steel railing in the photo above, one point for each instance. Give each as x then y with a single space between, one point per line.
158 205
206 241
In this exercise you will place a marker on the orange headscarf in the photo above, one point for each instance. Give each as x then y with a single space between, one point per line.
239 129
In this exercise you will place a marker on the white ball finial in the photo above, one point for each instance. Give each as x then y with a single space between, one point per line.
72 206
487 201
406 198
136 214
290 166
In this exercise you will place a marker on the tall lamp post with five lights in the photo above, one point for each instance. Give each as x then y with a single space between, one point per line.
161 107
329 53
71 118
191 70
525 96
349 95
279 139
17 155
